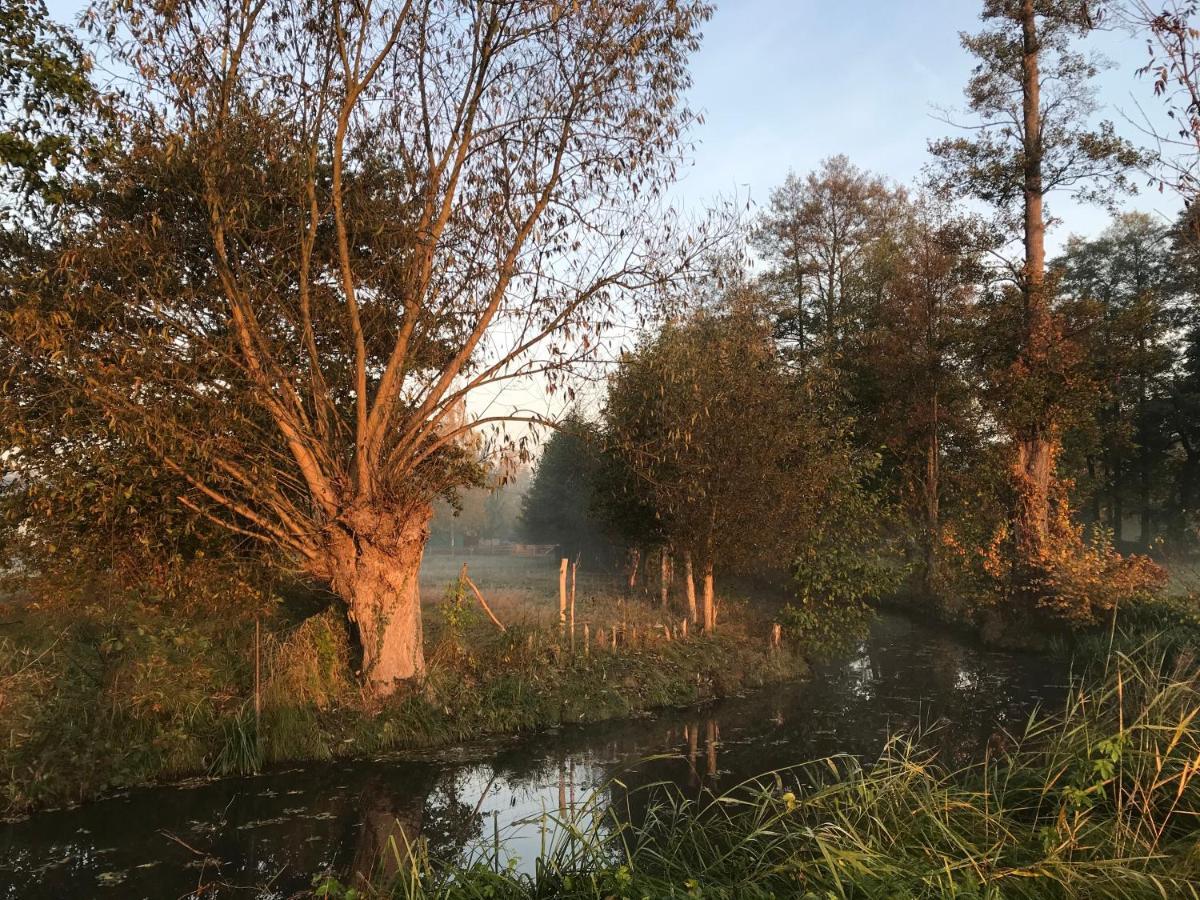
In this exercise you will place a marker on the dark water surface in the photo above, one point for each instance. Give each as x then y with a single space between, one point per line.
265 836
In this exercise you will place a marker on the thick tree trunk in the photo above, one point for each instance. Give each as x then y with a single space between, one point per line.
377 572
689 578
1034 474
1033 466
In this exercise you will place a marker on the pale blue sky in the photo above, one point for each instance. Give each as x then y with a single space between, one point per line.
785 83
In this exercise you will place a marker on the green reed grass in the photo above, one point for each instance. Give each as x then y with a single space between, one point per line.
1099 801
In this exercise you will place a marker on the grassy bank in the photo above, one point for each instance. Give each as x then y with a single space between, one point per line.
97 697
1099 801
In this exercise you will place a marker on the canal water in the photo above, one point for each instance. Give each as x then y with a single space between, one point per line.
267 836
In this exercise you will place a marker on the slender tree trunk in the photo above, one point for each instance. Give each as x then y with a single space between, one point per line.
1147 524
933 520
664 578
635 561
376 572
1187 478
1094 479
689 579
1033 467
710 609
1114 470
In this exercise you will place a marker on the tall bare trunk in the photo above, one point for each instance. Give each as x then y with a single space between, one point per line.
377 573
1144 462
689 580
1033 467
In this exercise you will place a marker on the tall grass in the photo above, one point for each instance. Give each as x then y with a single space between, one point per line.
1099 801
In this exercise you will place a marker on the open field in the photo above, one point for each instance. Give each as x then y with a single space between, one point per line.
523 592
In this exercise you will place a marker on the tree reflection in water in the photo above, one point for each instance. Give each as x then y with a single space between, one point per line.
274 832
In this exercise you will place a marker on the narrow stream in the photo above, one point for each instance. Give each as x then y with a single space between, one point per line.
266 836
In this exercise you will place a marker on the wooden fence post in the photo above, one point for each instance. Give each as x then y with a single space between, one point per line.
562 596
574 566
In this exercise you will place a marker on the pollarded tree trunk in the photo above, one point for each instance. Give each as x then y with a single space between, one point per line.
376 571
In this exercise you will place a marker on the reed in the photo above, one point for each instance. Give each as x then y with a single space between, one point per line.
1098 801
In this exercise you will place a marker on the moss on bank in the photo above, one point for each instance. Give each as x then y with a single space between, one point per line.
100 698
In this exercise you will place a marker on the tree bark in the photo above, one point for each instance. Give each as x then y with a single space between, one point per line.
376 571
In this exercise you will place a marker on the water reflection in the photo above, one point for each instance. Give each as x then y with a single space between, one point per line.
266 836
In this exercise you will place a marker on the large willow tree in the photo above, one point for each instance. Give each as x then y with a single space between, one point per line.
328 225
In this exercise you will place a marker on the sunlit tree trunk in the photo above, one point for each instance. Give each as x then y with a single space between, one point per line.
377 573
635 559
689 581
